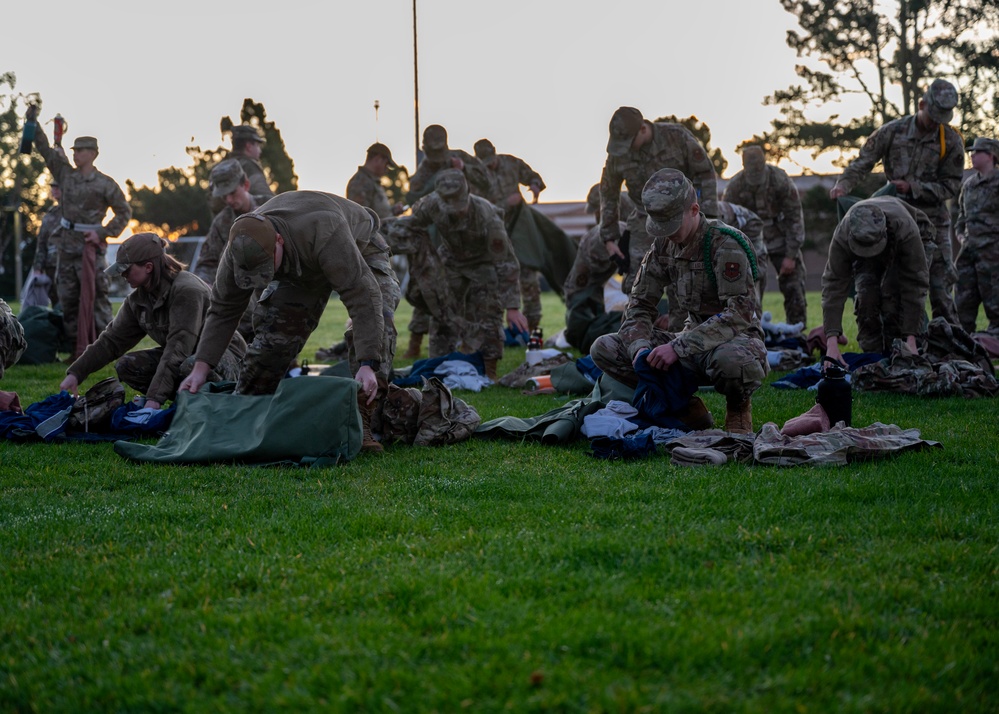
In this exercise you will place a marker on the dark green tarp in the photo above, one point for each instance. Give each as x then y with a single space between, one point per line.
542 245
309 421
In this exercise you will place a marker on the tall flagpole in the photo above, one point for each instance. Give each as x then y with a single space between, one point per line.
416 92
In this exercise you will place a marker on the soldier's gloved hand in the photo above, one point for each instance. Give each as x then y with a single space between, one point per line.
71 384
369 383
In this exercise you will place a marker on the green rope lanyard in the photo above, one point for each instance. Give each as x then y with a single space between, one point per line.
740 239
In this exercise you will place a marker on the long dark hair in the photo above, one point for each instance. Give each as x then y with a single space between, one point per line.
165 267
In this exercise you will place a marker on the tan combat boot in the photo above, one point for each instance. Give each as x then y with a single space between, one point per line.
697 418
739 418
415 344
491 369
368 443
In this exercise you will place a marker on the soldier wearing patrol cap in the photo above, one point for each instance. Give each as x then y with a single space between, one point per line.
637 148
923 161
978 229
365 186
168 305
228 183
298 248
247 145
714 269
879 248
87 194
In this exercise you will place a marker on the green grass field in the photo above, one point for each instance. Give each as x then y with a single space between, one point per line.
494 576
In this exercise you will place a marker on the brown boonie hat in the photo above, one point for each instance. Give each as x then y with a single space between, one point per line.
484 150
139 248
247 131
989 146
226 177
379 149
593 199
754 165
941 98
666 196
624 125
435 141
868 230
251 241
85 142
452 187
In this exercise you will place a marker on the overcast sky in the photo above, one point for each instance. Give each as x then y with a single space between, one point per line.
540 78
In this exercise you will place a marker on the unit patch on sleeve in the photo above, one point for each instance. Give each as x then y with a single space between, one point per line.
733 271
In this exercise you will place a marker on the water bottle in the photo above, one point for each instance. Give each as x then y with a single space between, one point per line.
835 394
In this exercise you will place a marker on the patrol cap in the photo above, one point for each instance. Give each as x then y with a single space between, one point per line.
379 149
139 248
667 195
593 199
226 177
754 165
251 241
941 98
484 150
435 141
989 146
452 187
247 132
85 142
624 125
868 230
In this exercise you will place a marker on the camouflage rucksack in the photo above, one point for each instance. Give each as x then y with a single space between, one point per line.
400 414
12 342
94 409
444 419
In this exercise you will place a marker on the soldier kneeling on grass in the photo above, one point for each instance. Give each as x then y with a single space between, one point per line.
168 305
714 270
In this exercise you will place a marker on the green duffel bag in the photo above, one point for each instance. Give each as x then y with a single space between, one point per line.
44 333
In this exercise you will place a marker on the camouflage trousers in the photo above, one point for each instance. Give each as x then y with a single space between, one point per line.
137 369
640 243
792 287
978 284
943 276
878 308
284 317
530 295
388 285
68 287
736 368
592 268
475 290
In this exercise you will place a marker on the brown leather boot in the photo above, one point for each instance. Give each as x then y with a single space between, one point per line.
415 344
491 368
368 443
739 418
697 418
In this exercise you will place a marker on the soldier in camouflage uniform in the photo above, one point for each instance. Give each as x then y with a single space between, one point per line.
298 248
978 229
481 269
365 186
168 305
12 342
638 148
881 247
593 265
769 192
229 184
438 156
247 145
47 244
508 173
87 194
924 160
714 268
751 226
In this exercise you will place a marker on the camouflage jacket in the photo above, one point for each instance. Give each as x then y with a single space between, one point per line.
329 244
171 316
259 185
719 305
911 237
978 219
778 205
748 223
509 175
47 242
934 173
474 239
366 189
421 183
85 199
215 242
672 147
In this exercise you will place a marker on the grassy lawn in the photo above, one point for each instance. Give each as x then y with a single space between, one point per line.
501 576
